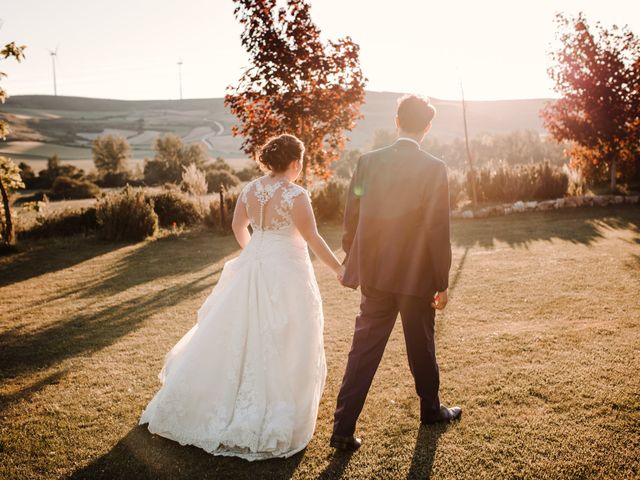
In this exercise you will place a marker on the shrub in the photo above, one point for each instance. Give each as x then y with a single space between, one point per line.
456 189
26 173
62 223
54 170
551 182
156 172
126 215
193 180
174 206
9 180
248 173
329 199
218 178
539 181
117 179
70 188
576 181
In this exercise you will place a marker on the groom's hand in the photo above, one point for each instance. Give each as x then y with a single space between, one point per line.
440 300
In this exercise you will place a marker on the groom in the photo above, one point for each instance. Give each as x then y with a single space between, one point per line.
398 251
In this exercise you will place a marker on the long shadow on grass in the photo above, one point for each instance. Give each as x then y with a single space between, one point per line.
29 391
141 455
337 465
150 262
425 451
84 333
166 257
38 257
580 225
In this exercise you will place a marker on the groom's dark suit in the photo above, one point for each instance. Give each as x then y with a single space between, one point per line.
398 251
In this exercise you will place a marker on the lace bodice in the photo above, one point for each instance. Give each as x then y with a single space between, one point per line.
269 205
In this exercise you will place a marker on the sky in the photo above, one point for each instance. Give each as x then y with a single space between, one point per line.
130 49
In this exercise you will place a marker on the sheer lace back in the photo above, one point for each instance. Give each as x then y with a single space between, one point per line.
269 202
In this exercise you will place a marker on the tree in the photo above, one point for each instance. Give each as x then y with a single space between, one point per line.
597 72
9 171
296 83
383 137
219 164
171 155
217 179
111 154
17 52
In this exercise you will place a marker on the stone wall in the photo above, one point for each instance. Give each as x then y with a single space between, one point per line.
535 206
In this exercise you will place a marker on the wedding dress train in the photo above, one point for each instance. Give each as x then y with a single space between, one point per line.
247 378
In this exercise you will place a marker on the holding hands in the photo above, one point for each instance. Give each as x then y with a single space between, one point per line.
440 300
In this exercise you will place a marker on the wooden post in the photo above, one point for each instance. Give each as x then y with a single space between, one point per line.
474 195
222 213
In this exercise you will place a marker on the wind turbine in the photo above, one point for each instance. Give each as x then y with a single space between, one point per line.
180 76
54 54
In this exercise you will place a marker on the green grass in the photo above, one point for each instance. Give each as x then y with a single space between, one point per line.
539 346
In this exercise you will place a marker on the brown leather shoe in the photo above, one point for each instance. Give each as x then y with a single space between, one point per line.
349 444
446 415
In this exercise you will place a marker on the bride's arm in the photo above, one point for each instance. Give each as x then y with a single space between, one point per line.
305 222
240 223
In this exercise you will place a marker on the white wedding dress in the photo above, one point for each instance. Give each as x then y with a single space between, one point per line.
247 379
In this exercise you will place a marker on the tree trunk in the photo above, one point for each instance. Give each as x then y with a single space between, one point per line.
305 161
613 174
7 231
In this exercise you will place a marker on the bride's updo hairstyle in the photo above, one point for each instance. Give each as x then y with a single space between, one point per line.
278 153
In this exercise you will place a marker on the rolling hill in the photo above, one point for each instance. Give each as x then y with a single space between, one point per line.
43 124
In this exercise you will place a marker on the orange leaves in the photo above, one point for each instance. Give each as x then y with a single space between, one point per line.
296 82
597 72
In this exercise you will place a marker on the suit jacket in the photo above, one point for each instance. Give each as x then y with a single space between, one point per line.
396 223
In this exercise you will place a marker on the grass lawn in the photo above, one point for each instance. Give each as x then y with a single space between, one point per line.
540 346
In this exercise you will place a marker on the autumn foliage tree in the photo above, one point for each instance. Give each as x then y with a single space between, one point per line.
295 83
597 72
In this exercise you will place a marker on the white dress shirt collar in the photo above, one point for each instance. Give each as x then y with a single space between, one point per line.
409 139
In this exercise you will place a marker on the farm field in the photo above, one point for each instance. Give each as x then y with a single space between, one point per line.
75 121
35 154
539 346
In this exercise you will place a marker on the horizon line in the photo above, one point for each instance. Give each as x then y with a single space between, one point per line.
515 99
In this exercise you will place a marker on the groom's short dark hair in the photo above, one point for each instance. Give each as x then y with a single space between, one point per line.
415 113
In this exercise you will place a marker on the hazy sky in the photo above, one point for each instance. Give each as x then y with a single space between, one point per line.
129 49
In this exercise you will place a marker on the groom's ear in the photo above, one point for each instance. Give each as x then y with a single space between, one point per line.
426 130
397 122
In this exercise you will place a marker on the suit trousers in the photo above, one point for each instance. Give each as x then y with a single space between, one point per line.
378 313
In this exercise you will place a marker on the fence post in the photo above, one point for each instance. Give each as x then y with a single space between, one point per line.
222 213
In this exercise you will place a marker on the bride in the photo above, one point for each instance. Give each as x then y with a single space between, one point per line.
246 380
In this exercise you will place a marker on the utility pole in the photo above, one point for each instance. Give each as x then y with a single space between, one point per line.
180 76
469 157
